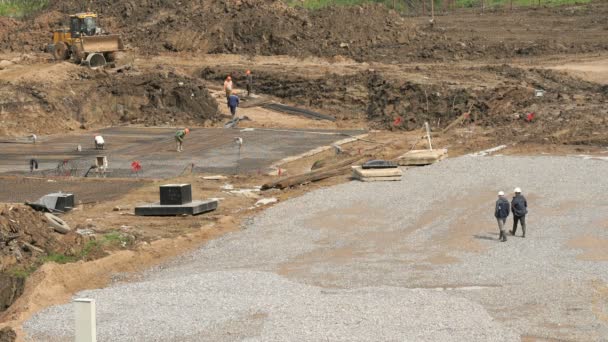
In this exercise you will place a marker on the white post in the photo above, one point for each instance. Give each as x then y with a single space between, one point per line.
86 327
428 135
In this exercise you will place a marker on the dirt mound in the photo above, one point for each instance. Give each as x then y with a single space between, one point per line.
500 97
255 27
32 35
92 98
7 335
339 96
370 32
7 24
160 98
25 233
25 237
570 111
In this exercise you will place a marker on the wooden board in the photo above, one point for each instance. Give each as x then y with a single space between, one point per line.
422 157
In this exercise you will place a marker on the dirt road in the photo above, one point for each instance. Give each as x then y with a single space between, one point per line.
594 70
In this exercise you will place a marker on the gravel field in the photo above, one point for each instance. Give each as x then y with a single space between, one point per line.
416 260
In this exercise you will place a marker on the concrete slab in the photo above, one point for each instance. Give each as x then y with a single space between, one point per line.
422 157
208 150
360 172
378 179
192 208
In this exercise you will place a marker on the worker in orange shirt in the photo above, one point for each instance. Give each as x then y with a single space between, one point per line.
228 86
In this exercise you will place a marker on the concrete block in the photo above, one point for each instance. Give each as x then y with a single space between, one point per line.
192 208
57 201
422 157
358 171
175 194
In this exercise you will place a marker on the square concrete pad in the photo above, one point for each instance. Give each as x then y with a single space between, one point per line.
422 157
192 208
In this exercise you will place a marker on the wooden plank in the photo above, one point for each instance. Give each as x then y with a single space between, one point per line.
317 150
317 175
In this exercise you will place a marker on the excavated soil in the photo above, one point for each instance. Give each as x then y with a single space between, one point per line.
25 237
66 97
388 94
7 335
498 97
370 32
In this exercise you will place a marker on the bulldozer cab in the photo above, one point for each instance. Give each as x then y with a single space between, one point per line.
83 24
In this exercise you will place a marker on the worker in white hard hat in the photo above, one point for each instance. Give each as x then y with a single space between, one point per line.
501 213
519 207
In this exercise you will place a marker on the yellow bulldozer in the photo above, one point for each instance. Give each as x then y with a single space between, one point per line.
84 42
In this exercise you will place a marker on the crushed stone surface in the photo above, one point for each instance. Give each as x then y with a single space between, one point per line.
416 260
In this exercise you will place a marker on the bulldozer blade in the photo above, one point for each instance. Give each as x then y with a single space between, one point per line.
107 43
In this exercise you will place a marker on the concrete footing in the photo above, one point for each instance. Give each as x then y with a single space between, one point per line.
191 208
422 157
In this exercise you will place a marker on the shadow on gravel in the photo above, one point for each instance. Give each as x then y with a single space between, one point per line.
485 237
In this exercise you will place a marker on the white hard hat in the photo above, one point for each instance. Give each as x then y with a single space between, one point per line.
501 193
517 190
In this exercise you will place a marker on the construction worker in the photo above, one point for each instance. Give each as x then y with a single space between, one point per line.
228 86
233 102
501 213
519 207
179 138
249 82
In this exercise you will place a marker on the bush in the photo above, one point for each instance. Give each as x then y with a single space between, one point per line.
21 8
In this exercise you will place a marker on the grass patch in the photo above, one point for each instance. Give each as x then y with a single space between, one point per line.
21 8
95 248
23 272
59 258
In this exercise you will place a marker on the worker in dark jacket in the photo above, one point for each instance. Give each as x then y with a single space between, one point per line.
501 213
233 102
519 207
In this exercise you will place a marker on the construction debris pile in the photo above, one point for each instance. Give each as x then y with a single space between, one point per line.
570 110
25 237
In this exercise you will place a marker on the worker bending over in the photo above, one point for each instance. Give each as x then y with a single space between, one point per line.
99 142
179 138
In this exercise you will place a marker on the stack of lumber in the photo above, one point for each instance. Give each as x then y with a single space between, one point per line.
376 175
422 157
